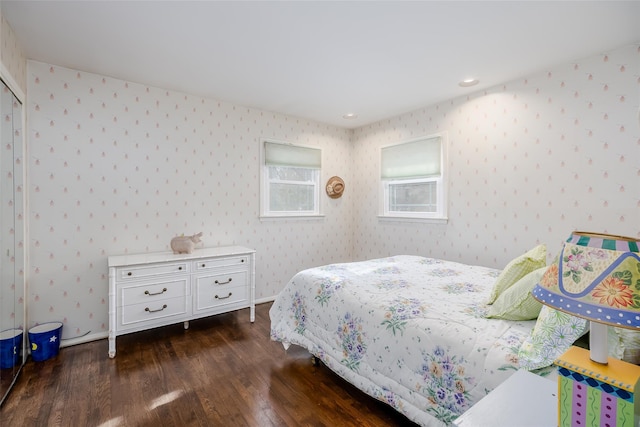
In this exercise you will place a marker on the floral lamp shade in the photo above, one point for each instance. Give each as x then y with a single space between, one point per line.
596 277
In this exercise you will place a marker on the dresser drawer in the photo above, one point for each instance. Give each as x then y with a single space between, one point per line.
135 293
156 312
205 264
220 289
154 270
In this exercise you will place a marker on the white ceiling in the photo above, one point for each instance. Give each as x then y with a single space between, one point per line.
320 59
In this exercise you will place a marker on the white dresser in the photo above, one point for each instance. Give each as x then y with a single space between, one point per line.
156 289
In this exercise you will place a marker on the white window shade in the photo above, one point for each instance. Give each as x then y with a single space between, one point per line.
291 155
416 159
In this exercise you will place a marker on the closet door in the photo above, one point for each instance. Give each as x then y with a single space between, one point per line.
12 332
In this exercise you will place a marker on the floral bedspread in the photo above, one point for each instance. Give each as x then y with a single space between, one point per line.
407 330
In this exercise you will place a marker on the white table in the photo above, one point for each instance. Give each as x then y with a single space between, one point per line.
523 400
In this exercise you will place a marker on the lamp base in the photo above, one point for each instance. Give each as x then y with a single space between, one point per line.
599 342
593 394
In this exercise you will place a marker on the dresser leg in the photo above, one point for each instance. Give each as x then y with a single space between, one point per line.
112 345
186 324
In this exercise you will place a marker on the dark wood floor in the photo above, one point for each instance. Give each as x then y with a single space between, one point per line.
222 371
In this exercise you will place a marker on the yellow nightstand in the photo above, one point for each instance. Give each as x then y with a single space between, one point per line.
593 394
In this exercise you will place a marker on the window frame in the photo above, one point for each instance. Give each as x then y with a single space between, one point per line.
440 215
265 188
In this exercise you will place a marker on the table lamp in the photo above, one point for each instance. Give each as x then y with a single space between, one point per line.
596 277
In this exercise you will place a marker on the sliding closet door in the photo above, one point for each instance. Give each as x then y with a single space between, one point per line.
12 342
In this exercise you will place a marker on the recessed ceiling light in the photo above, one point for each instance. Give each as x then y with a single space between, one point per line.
350 116
468 82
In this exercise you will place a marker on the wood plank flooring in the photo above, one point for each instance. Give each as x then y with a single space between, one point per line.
222 371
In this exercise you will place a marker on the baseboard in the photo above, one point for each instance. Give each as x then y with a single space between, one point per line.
267 299
67 342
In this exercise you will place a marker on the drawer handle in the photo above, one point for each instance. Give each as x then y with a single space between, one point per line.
219 297
204 265
156 293
180 268
155 311
129 274
224 283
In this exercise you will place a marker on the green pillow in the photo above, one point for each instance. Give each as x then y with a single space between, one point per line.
518 268
517 303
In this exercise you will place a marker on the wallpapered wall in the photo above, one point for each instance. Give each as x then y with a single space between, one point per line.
11 55
529 162
117 167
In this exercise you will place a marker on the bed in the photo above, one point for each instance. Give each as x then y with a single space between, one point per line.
407 330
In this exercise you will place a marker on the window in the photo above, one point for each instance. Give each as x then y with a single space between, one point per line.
291 180
413 180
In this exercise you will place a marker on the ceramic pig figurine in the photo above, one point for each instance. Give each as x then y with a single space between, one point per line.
185 244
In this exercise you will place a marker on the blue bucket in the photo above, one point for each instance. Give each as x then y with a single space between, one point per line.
45 340
10 348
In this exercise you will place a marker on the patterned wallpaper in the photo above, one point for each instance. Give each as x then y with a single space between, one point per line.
11 56
117 167
529 162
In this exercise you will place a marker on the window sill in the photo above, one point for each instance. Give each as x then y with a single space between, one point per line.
387 218
290 217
